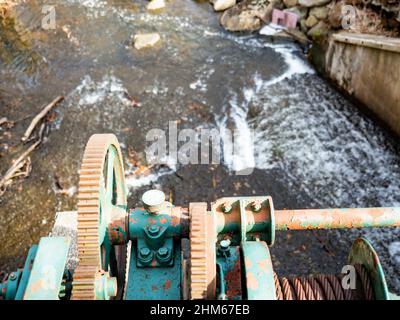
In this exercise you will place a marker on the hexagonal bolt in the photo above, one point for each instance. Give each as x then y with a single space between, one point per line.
256 205
227 207
12 276
154 230
162 252
145 252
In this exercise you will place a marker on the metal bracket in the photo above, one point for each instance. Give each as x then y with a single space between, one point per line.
258 271
363 253
48 269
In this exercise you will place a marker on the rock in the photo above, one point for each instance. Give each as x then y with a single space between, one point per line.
301 12
303 26
146 40
155 5
313 3
298 36
335 15
246 21
248 16
311 21
220 5
320 29
290 3
320 13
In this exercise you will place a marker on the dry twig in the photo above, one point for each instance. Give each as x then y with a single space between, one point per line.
39 117
17 169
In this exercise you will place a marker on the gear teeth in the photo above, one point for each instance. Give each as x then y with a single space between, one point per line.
201 265
90 180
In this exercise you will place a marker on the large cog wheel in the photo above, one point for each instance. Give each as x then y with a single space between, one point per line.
102 191
202 270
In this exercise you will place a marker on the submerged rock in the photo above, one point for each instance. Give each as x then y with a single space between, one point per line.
146 40
220 5
155 5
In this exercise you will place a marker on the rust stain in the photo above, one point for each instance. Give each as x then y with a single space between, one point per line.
247 263
233 280
336 218
154 288
174 221
132 220
252 282
38 286
167 285
264 265
163 220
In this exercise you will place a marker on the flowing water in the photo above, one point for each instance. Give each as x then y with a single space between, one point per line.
312 146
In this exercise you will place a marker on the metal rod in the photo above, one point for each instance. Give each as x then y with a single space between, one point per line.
336 218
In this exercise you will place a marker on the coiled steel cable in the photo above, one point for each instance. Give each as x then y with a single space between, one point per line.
324 287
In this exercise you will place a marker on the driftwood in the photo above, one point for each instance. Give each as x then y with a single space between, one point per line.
39 117
16 169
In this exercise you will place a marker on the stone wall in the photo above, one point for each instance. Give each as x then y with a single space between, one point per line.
315 17
367 68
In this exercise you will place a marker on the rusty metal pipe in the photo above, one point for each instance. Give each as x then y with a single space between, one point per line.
336 218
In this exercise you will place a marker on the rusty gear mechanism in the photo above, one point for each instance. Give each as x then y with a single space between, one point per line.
101 193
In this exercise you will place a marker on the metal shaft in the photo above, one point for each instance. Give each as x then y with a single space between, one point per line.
336 218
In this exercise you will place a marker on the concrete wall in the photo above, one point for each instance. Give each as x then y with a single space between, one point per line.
368 67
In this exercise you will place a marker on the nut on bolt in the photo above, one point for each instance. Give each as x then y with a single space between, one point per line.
154 230
145 252
163 255
255 205
227 207
162 252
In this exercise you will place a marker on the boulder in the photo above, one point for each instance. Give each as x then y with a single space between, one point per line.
246 21
319 30
155 5
320 13
146 40
220 5
313 3
311 21
290 3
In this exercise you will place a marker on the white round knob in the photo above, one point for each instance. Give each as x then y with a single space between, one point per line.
153 200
